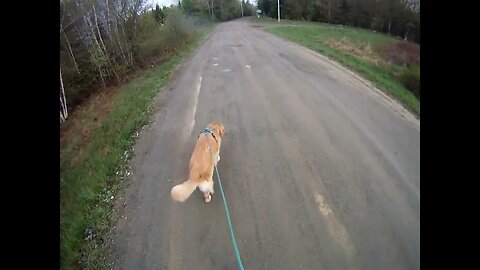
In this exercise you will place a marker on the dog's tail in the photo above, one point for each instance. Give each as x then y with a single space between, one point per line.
181 192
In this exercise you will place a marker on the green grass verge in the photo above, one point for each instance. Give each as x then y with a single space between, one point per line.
312 35
88 169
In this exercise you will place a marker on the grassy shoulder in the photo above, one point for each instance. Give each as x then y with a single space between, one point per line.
373 55
95 145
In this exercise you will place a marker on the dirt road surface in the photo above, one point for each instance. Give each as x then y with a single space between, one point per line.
320 170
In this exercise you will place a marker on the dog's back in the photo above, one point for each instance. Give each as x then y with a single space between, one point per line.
200 168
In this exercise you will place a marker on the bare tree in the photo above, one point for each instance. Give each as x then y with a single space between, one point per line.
63 102
70 51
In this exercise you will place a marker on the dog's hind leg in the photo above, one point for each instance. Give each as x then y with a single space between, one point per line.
207 196
207 188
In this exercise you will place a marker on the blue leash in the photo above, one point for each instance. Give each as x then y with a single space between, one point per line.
240 265
232 235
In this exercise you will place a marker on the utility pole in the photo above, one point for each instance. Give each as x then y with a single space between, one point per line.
278 6
241 5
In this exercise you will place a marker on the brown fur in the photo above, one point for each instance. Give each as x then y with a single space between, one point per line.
201 165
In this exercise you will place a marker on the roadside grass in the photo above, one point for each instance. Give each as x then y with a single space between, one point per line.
391 64
95 147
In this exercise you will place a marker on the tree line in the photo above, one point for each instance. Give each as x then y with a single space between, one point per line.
395 17
103 41
219 10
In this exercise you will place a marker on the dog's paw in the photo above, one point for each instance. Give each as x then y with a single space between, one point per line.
208 198
218 158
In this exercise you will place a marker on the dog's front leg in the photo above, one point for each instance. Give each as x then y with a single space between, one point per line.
218 158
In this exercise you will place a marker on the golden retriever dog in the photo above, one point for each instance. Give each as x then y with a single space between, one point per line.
205 156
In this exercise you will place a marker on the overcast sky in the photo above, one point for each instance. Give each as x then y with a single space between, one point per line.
164 2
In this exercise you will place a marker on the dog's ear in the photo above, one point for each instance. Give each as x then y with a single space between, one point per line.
219 127
221 130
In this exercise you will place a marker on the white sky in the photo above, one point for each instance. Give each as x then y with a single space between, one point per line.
164 2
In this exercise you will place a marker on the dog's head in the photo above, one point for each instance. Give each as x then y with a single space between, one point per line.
219 127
